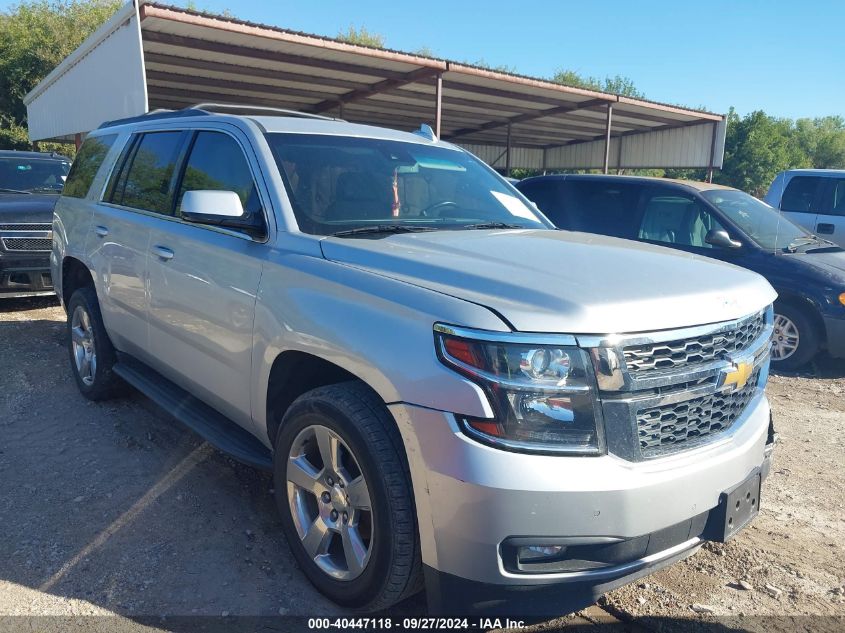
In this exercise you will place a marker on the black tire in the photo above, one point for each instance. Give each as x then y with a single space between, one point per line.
808 338
360 419
104 383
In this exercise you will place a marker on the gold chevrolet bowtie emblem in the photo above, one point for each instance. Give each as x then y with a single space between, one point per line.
738 377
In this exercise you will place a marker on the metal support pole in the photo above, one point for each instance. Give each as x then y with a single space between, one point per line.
712 152
340 111
619 155
77 140
438 103
607 137
545 149
508 153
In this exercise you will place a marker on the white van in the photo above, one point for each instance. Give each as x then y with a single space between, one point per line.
814 198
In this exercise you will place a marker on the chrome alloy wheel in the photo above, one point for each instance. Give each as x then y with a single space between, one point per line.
330 503
84 349
785 338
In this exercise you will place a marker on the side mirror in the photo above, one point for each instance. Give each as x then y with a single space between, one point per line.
208 206
720 238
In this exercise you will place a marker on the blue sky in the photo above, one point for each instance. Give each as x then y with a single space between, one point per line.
783 57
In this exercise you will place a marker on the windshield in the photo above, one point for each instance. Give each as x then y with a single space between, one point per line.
338 183
32 175
763 224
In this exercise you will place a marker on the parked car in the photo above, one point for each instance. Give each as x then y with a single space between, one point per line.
813 198
444 387
807 272
30 184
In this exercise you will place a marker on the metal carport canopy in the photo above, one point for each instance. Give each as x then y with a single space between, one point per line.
151 56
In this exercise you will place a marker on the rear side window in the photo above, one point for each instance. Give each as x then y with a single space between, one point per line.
833 200
608 208
86 165
800 194
145 179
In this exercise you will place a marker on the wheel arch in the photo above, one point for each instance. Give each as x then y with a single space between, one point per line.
294 373
808 307
75 275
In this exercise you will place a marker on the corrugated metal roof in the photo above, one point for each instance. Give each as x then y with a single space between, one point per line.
189 56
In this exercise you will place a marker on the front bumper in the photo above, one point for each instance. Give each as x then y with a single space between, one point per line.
471 498
25 276
835 336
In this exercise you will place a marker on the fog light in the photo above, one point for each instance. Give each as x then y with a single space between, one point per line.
539 553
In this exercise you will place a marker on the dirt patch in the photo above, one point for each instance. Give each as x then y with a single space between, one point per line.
115 509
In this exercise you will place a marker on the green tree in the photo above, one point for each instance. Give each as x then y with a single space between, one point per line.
757 147
361 37
618 84
823 141
35 36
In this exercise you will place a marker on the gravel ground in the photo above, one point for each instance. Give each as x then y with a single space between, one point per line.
115 510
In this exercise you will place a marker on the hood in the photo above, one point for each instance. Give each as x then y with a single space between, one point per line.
828 262
560 281
20 207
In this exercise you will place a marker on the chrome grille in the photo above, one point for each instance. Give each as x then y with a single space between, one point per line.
684 353
27 244
26 227
682 425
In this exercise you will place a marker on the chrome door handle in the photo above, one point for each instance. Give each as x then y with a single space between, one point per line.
163 252
101 230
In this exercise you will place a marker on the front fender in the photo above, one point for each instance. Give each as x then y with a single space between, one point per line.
376 328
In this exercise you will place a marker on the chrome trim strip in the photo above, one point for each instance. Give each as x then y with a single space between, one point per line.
526 338
609 573
663 336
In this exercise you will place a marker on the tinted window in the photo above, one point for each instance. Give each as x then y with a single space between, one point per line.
602 207
800 193
86 165
546 194
35 174
146 177
676 219
217 162
833 201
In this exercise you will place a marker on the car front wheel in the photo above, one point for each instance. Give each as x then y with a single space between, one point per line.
344 492
794 339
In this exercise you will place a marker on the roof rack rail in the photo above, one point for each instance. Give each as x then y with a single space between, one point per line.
205 109
160 113
215 107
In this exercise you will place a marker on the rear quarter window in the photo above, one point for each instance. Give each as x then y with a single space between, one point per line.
87 163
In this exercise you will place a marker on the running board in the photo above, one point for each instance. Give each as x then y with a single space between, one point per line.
210 424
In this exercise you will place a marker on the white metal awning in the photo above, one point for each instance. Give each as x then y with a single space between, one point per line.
155 56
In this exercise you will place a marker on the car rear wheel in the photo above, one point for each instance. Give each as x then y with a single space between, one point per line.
344 492
91 352
794 339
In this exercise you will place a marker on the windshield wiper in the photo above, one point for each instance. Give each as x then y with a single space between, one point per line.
804 241
383 228
4 190
492 225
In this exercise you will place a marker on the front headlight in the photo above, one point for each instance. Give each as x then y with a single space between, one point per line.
543 394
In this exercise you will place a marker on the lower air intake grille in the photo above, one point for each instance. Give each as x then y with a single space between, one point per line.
27 244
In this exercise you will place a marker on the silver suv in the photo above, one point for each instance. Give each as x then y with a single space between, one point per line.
447 390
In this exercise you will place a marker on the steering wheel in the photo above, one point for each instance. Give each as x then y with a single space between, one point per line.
443 205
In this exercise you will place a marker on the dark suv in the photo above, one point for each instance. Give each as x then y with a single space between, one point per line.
807 272
30 185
